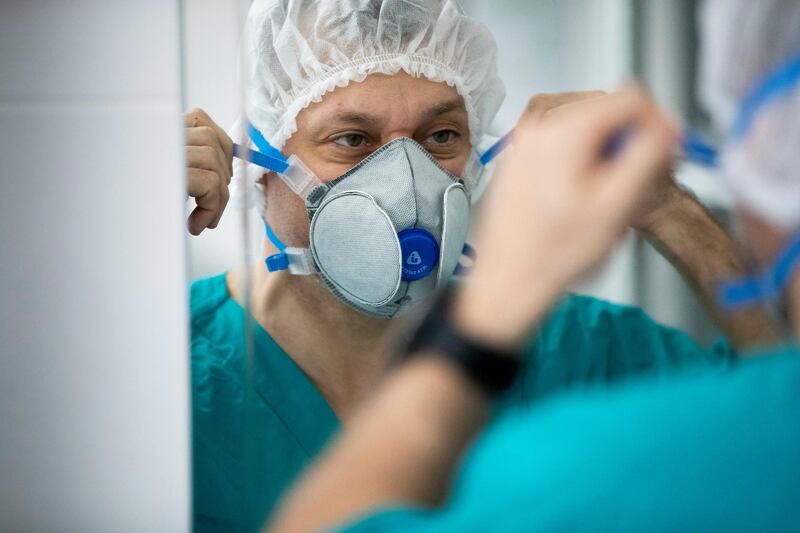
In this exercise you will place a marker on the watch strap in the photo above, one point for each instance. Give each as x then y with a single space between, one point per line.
491 369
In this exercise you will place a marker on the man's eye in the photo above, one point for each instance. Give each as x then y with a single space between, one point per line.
352 140
443 136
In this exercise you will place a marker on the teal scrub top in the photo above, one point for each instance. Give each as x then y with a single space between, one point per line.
705 451
286 421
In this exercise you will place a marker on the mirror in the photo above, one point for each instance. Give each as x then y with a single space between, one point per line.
262 410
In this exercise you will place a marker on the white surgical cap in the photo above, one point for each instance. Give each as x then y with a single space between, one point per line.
743 41
300 50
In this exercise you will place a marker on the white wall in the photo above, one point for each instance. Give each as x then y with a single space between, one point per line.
93 308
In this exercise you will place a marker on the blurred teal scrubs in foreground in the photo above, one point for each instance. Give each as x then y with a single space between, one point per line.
252 434
709 451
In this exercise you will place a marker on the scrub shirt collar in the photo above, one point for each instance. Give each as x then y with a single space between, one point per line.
289 392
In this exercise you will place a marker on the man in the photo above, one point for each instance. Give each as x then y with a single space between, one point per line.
711 450
385 104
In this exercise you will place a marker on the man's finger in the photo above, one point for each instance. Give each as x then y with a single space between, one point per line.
203 186
205 136
222 202
197 117
612 114
199 220
210 193
641 160
575 105
204 157
200 181
544 103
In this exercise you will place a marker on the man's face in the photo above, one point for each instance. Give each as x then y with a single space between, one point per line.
351 122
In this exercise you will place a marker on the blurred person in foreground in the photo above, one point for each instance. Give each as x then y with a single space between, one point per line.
714 450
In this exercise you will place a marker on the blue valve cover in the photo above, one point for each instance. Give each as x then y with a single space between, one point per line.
420 253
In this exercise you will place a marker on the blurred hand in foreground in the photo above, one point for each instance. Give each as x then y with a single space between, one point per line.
558 204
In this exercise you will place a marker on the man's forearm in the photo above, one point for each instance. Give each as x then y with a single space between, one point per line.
401 448
692 240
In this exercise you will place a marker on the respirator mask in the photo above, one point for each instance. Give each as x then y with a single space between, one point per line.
385 235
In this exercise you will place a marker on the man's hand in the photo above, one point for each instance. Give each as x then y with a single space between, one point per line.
209 162
557 205
681 229
544 105
660 196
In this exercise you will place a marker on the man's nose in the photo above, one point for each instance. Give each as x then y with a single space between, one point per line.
396 134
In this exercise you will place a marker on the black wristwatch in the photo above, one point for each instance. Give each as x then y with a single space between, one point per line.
491 369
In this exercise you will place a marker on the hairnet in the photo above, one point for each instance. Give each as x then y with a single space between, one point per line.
742 42
299 50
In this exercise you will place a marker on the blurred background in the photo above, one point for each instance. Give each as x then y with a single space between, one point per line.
544 46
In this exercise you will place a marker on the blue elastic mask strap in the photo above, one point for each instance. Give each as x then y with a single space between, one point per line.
267 157
279 261
769 285
262 160
496 148
697 150
774 85
694 148
262 144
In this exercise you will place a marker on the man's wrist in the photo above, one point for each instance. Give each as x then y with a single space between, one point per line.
677 205
491 366
475 317
496 321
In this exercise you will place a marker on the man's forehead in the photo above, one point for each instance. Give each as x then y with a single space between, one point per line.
381 96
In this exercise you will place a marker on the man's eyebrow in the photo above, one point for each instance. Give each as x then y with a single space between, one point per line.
348 118
357 118
443 108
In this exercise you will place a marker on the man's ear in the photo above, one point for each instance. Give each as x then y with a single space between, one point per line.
263 181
